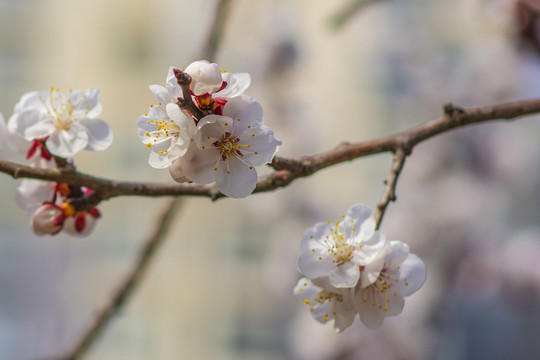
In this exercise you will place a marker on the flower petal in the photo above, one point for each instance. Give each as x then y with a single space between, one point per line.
236 84
345 275
412 275
262 145
235 178
66 143
358 223
100 135
198 165
245 108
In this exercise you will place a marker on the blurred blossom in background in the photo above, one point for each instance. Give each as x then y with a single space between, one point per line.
221 288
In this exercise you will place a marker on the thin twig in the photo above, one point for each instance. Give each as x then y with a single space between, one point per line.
389 194
346 13
130 284
288 170
217 30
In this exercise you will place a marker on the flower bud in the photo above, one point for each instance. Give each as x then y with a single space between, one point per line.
82 223
47 219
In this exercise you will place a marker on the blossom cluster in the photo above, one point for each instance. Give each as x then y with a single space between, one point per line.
53 124
223 145
350 268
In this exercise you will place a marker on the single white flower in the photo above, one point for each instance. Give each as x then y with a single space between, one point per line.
167 131
402 274
341 250
327 303
226 148
48 219
65 121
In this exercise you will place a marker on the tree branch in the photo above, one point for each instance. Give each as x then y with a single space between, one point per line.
217 30
287 170
389 194
345 14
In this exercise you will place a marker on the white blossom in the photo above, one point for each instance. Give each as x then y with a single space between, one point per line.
402 274
327 303
167 131
226 148
65 121
339 250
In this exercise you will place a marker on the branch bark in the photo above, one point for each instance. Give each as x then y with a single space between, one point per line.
288 170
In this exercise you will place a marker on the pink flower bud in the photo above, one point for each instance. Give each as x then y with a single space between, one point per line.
47 219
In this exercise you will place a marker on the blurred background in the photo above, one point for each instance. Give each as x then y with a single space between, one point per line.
221 288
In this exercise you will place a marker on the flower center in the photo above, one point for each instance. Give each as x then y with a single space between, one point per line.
377 293
229 146
328 296
165 129
341 250
60 107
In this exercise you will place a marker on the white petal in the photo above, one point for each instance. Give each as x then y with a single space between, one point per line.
343 321
398 254
32 101
236 84
198 165
262 145
206 77
313 237
171 79
359 218
235 179
345 275
31 194
66 143
370 316
159 161
315 264
245 108
305 289
39 129
176 171
100 135
90 102
395 303
185 123
414 271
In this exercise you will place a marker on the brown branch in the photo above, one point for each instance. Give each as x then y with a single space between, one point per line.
288 170
130 284
345 14
217 30
389 194
184 80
